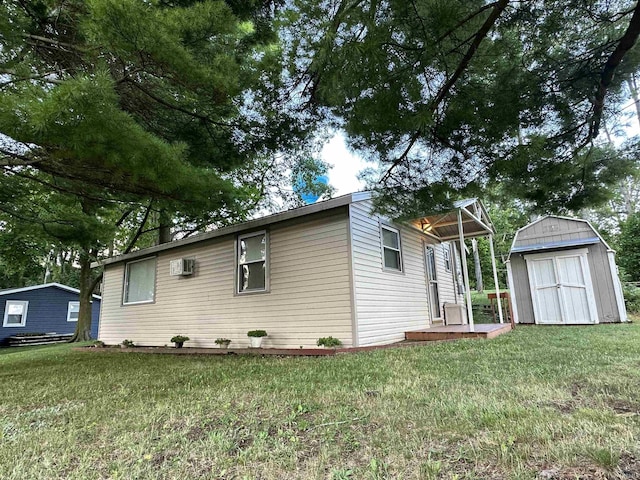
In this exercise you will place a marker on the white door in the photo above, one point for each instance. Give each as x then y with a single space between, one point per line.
561 288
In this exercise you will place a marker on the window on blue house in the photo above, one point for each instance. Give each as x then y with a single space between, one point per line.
15 313
73 311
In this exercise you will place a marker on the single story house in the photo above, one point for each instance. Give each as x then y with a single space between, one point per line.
562 272
333 268
47 308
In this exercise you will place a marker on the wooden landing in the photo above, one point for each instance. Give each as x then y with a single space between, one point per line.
453 332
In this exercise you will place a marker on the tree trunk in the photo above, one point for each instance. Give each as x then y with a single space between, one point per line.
476 264
633 89
164 232
83 327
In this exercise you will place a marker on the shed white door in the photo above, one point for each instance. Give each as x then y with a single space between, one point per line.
561 288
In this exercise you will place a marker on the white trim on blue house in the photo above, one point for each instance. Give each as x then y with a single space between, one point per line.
69 307
23 319
44 285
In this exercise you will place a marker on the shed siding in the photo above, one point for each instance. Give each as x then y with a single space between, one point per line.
522 289
47 312
603 288
390 303
309 292
557 230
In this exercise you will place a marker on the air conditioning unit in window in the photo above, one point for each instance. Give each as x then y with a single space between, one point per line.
182 267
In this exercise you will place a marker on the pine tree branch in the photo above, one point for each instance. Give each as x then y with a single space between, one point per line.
16 160
136 236
627 41
480 35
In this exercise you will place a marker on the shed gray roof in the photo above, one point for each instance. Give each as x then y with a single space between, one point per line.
575 232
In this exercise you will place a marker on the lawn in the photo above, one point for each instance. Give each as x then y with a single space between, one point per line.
561 401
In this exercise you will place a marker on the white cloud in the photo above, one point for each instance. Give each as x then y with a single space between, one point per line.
346 166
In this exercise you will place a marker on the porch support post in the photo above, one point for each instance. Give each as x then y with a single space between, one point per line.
495 277
465 271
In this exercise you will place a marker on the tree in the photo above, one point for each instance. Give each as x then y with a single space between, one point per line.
629 244
454 96
109 107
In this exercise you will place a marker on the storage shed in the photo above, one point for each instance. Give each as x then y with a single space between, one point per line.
562 272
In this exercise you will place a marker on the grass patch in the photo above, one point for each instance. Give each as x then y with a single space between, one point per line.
559 400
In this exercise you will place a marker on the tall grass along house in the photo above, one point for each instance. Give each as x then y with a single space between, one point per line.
561 272
333 268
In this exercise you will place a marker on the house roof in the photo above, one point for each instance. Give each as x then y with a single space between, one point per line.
551 244
9 291
476 222
444 225
244 226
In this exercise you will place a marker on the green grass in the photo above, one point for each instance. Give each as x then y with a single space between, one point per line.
556 399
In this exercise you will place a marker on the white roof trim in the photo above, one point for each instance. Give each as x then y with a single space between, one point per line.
242 227
44 285
515 237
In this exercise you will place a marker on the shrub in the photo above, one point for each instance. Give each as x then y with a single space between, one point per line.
179 339
128 343
631 297
222 341
328 342
256 333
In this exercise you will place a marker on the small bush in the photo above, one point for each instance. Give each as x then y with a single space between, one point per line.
631 297
328 342
179 339
256 333
128 343
222 341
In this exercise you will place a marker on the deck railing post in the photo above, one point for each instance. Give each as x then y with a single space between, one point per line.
495 278
465 271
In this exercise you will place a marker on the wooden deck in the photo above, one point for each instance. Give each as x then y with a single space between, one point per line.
453 332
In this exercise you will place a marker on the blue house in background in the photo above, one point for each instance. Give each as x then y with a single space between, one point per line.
46 308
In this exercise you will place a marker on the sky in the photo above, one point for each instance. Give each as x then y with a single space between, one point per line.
346 166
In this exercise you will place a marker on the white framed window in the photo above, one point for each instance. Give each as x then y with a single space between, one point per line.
139 281
73 310
252 263
447 257
391 252
15 313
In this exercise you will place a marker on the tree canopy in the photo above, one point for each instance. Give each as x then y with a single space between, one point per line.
453 96
116 113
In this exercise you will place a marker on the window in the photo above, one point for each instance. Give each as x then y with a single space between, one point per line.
391 256
140 281
72 311
432 278
252 262
15 313
447 257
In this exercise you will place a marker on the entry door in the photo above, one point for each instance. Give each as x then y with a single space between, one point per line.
432 283
561 288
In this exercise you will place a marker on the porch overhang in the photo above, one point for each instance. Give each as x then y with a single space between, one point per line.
445 225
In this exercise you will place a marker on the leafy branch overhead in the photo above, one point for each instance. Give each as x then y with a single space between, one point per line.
456 95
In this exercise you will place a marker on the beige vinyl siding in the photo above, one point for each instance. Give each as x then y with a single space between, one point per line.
387 303
310 295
